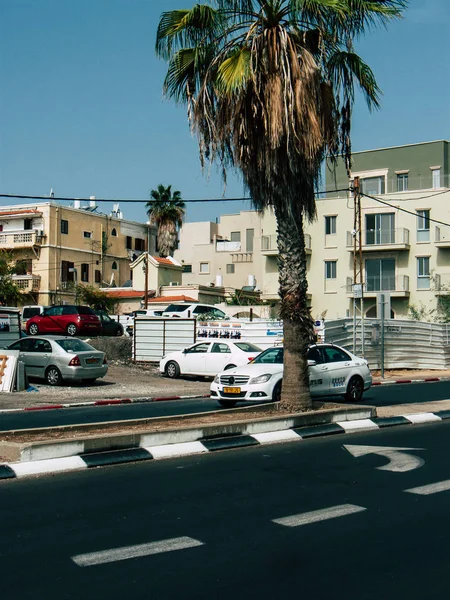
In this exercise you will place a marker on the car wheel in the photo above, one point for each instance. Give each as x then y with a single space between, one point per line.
53 376
227 403
172 369
276 394
33 329
71 329
229 367
355 389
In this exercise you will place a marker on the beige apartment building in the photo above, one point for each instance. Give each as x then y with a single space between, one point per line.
54 247
405 238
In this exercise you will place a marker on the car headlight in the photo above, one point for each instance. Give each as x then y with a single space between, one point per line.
217 379
261 378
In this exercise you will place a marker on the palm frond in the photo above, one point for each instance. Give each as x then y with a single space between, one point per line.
234 71
346 67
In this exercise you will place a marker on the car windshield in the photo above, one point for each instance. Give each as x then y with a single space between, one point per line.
75 345
271 356
176 307
246 347
85 310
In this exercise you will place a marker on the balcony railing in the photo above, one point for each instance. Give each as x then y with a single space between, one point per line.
441 284
27 283
442 237
269 244
20 239
376 239
387 283
227 246
67 286
242 257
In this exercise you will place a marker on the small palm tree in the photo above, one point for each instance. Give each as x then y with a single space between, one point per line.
269 87
166 210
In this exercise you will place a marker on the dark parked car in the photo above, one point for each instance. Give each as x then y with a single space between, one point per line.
109 325
65 320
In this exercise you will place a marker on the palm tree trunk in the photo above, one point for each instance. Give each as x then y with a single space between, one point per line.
298 324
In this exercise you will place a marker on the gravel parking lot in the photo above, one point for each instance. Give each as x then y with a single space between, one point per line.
121 381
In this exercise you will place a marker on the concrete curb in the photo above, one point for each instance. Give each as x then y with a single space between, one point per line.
105 402
396 381
146 450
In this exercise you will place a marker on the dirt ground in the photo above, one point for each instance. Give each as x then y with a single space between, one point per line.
121 381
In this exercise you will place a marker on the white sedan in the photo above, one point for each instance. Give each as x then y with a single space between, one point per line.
333 371
208 358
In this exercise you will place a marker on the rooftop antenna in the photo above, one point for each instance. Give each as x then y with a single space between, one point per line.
52 194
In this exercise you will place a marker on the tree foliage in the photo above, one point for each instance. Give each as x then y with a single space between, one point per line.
95 298
166 210
10 294
269 87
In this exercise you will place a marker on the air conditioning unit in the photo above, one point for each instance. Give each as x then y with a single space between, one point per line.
174 283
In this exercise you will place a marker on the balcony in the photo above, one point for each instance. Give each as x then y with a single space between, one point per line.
227 246
442 237
396 286
269 246
442 284
21 238
242 257
67 286
27 283
375 240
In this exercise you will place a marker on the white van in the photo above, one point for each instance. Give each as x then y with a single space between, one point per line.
30 311
193 311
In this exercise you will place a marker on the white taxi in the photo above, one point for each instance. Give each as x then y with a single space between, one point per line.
333 371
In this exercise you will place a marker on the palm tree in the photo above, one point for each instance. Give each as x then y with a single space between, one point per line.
269 87
166 210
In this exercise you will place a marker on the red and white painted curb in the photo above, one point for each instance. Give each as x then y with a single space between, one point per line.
397 381
105 402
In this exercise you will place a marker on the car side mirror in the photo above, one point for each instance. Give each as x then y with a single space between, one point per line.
185 351
311 363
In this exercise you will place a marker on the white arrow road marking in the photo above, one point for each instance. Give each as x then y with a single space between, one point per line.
319 515
115 554
432 488
399 460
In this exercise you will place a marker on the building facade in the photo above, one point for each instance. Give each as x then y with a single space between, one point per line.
405 238
56 247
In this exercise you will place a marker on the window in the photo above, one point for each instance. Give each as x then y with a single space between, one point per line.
373 185
28 224
423 273
235 236
249 235
139 244
64 226
436 178
85 272
380 229
114 232
66 273
333 354
98 276
42 346
423 225
187 268
330 269
198 348
402 182
380 274
87 234
204 267
114 266
129 243
220 349
330 225
230 269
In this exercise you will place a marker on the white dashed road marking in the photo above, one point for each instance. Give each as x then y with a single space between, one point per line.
319 515
432 488
116 554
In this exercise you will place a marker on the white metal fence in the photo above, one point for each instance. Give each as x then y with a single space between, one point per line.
407 344
155 337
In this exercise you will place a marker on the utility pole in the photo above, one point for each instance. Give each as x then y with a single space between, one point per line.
146 280
358 270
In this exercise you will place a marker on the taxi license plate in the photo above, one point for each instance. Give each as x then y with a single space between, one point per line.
232 390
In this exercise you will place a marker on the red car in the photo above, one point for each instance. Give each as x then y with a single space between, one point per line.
65 320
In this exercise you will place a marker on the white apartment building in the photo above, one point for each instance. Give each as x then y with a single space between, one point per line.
405 233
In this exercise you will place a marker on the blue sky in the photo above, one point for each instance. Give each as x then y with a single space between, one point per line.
81 107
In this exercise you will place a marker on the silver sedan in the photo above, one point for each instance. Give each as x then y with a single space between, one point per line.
58 358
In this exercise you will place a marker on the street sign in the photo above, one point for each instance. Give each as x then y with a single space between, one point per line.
399 460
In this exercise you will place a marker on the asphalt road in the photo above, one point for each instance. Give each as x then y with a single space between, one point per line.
376 396
297 520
